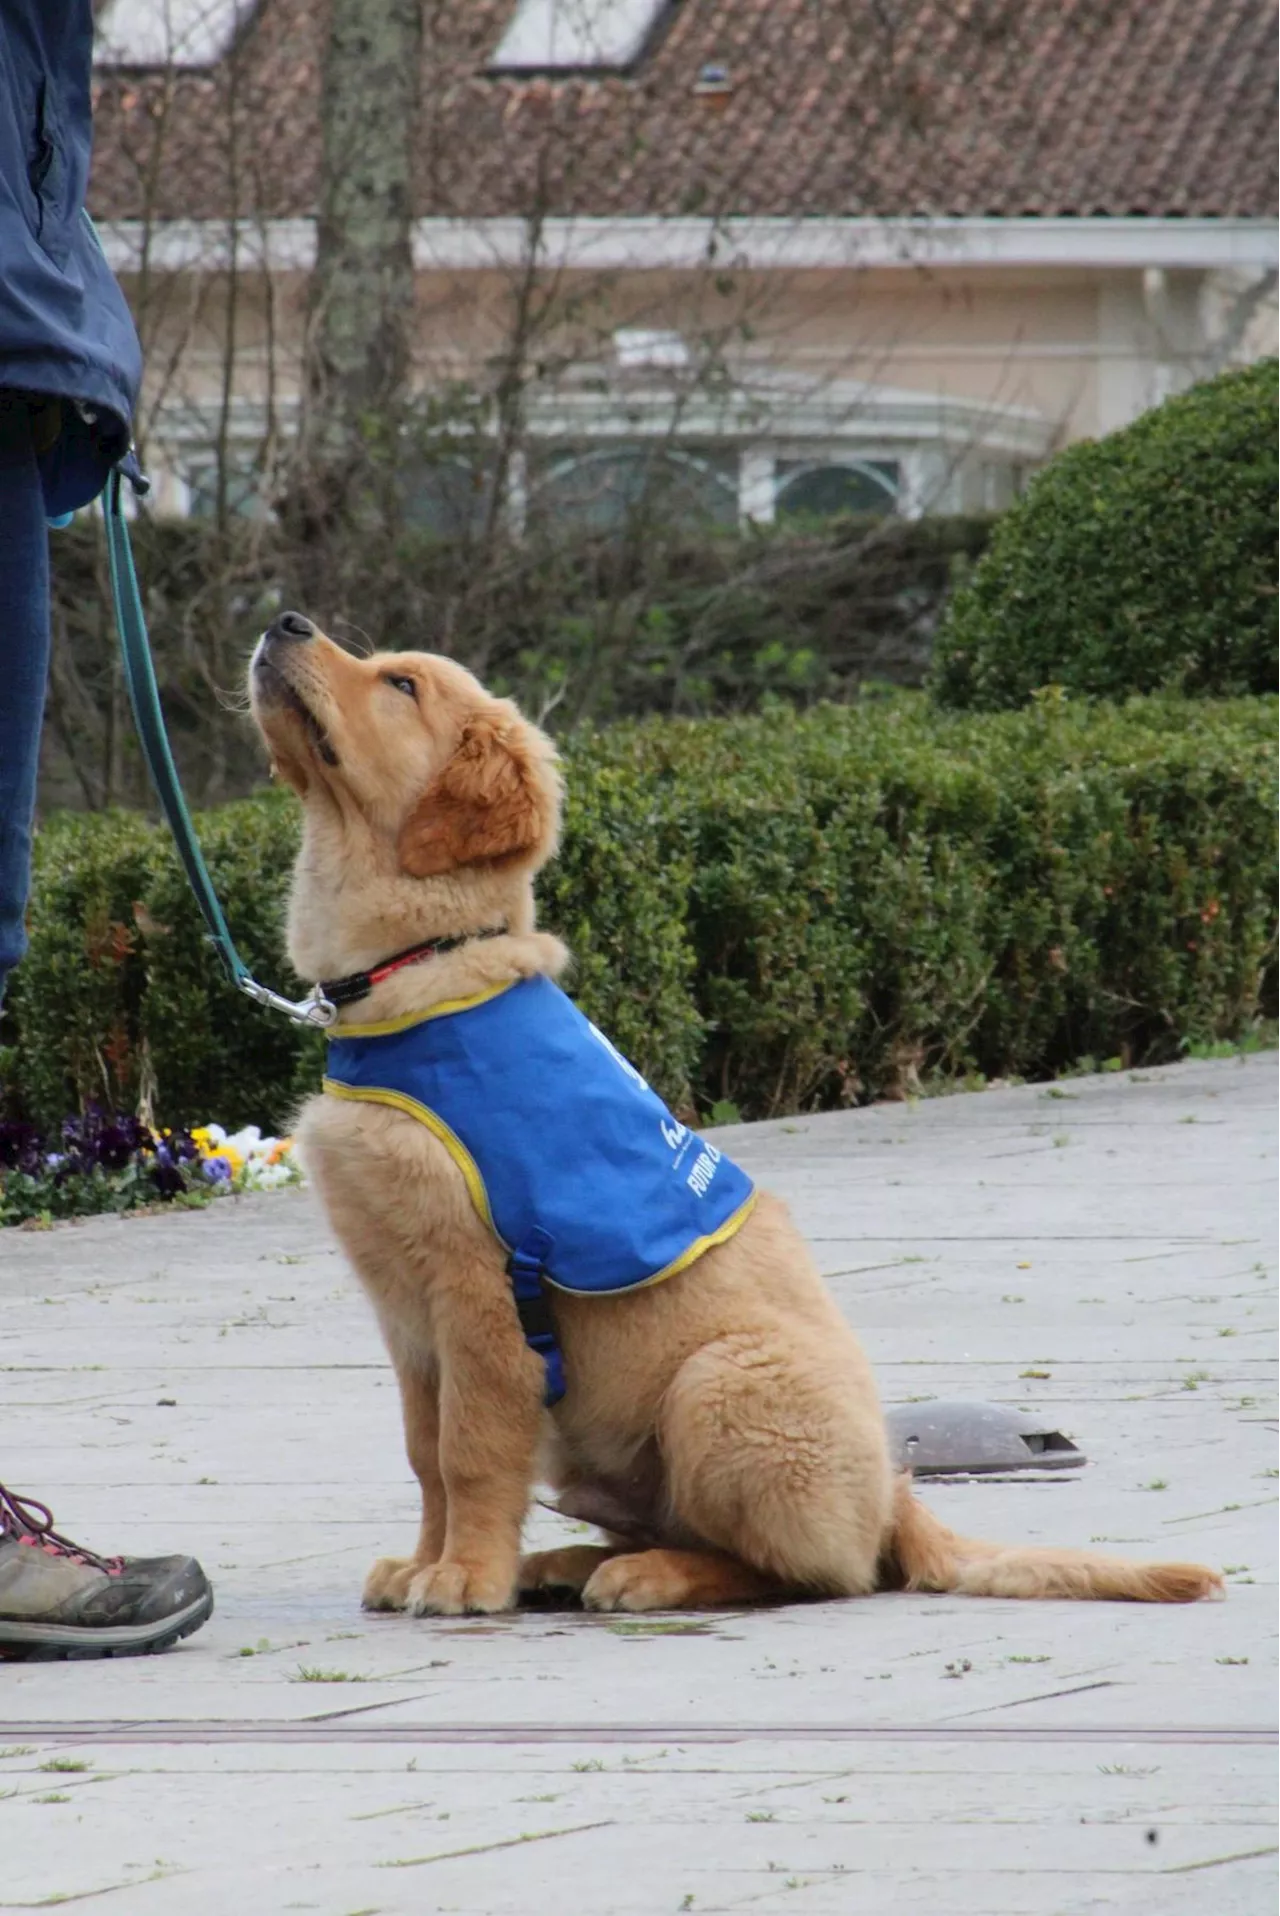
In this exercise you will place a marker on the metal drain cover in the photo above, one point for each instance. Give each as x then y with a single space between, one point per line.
941 1439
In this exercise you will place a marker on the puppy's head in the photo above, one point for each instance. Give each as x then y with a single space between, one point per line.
409 746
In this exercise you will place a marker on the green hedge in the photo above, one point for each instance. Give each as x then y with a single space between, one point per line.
1142 561
785 912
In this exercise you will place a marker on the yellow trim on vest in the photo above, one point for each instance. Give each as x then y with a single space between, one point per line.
386 1027
400 1101
728 1229
373 1094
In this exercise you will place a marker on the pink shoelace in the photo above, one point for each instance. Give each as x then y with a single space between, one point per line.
31 1523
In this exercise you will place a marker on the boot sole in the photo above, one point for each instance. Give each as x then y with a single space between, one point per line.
49 1641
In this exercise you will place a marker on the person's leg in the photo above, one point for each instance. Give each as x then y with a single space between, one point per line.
24 664
56 1597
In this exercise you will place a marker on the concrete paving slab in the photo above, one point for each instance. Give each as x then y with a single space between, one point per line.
1102 1251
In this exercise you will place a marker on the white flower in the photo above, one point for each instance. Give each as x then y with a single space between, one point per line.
258 1163
260 1176
248 1142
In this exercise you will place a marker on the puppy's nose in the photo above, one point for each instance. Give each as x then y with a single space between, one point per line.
290 625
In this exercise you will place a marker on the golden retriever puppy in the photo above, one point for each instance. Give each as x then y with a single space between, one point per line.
721 1427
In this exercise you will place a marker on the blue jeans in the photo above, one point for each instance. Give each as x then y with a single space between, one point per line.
24 664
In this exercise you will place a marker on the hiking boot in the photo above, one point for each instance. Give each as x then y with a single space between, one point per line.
58 1599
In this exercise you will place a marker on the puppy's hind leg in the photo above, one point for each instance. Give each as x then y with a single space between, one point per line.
775 1456
677 1580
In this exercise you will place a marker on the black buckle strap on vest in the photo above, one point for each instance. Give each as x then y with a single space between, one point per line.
358 984
525 1268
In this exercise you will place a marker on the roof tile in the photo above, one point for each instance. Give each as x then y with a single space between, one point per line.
888 107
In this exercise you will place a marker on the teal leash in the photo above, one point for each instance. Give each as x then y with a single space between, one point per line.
144 697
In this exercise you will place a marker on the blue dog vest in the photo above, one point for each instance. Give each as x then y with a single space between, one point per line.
577 1167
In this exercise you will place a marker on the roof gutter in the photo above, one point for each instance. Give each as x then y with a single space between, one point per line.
794 245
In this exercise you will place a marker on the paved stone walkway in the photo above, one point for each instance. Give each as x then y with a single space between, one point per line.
1103 1250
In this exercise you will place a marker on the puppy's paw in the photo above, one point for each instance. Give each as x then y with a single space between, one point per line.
643 1580
676 1580
561 1573
387 1585
452 1589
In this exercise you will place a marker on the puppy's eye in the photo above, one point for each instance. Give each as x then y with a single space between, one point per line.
409 686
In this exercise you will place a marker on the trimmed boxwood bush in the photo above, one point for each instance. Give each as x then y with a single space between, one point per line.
1142 561
785 913
884 893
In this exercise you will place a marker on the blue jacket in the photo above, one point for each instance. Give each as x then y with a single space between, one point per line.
576 1166
65 330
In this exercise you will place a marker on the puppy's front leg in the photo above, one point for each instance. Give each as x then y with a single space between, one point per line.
387 1585
491 1387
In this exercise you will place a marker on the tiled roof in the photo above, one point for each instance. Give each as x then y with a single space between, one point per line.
882 107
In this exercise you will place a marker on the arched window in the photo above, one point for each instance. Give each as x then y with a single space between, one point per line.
825 488
244 485
606 488
449 496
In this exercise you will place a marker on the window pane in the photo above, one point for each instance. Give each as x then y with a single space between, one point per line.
550 35
814 489
606 488
1001 485
179 33
449 497
244 495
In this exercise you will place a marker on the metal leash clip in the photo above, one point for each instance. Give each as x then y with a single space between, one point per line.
314 1009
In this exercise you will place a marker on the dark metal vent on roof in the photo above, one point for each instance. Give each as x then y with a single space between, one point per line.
714 82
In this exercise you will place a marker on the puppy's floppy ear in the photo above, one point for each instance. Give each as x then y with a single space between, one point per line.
494 799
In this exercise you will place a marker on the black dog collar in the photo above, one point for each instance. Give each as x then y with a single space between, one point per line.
358 984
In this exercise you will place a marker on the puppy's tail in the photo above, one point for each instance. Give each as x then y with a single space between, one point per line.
928 1556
